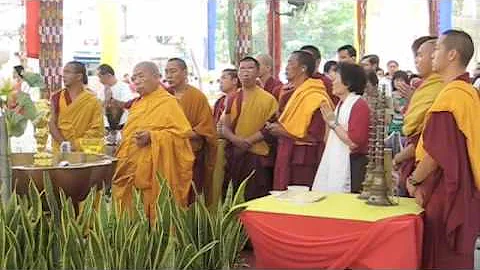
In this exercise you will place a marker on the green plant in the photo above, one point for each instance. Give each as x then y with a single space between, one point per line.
100 237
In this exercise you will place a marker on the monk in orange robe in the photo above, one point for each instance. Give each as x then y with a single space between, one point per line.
155 140
76 112
248 148
300 129
446 181
421 101
199 113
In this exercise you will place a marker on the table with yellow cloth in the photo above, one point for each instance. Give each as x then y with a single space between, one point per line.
337 232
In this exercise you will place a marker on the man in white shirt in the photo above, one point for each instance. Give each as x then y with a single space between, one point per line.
114 96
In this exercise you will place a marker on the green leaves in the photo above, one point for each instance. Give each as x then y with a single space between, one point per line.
101 237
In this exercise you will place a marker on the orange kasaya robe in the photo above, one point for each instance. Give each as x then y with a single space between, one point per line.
451 136
169 154
199 113
81 118
298 156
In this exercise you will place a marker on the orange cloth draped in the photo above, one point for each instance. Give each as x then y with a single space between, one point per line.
463 102
169 154
83 118
298 112
256 109
199 114
421 102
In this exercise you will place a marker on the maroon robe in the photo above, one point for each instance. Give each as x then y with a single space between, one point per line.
297 164
273 86
219 108
407 167
239 163
452 202
328 84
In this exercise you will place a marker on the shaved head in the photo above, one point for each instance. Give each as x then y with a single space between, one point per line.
461 42
148 66
265 59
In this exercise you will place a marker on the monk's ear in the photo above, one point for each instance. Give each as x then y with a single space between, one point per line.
452 55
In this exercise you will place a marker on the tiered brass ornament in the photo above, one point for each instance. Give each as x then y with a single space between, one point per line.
379 189
42 157
372 137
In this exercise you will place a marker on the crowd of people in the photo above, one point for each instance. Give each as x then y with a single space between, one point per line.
312 130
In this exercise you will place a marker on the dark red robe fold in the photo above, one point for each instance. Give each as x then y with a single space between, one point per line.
218 108
407 167
452 202
273 86
297 164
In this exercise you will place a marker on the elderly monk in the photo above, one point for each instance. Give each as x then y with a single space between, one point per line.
199 114
300 129
319 76
248 146
446 181
76 112
267 81
421 101
155 140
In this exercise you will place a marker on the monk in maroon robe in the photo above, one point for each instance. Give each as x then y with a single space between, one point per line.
319 76
446 180
301 129
267 80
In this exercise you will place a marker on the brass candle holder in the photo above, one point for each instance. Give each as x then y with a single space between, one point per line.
379 189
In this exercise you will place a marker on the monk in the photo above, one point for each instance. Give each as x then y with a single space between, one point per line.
203 138
267 81
75 111
319 76
248 111
446 181
155 140
229 83
421 101
300 129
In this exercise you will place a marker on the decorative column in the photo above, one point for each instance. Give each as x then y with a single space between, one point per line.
243 26
274 36
51 41
433 12
360 33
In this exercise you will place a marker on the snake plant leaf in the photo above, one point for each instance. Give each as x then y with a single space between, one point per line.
11 258
168 258
35 202
202 251
3 243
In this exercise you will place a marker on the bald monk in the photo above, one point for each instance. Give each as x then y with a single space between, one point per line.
199 114
446 181
75 111
300 129
154 139
248 147
319 76
421 101
267 81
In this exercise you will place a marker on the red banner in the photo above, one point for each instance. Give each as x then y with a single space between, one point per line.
32 36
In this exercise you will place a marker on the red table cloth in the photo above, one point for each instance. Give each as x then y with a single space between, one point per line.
296 241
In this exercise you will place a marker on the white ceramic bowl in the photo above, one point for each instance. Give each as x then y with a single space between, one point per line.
298 188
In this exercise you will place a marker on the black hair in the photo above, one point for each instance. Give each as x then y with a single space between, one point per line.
250 59
373 59
105 69
350 49
79 67
306 59
392 62
372 77
19 70
419 41
233 73
182 63
313 50
353 76
329 65
400 75
461 42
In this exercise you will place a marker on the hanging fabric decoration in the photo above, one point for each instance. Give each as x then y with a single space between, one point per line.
243 25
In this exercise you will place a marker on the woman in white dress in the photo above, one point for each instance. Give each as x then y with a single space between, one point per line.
343 164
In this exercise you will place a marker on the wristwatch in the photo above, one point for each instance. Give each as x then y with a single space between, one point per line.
333 125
